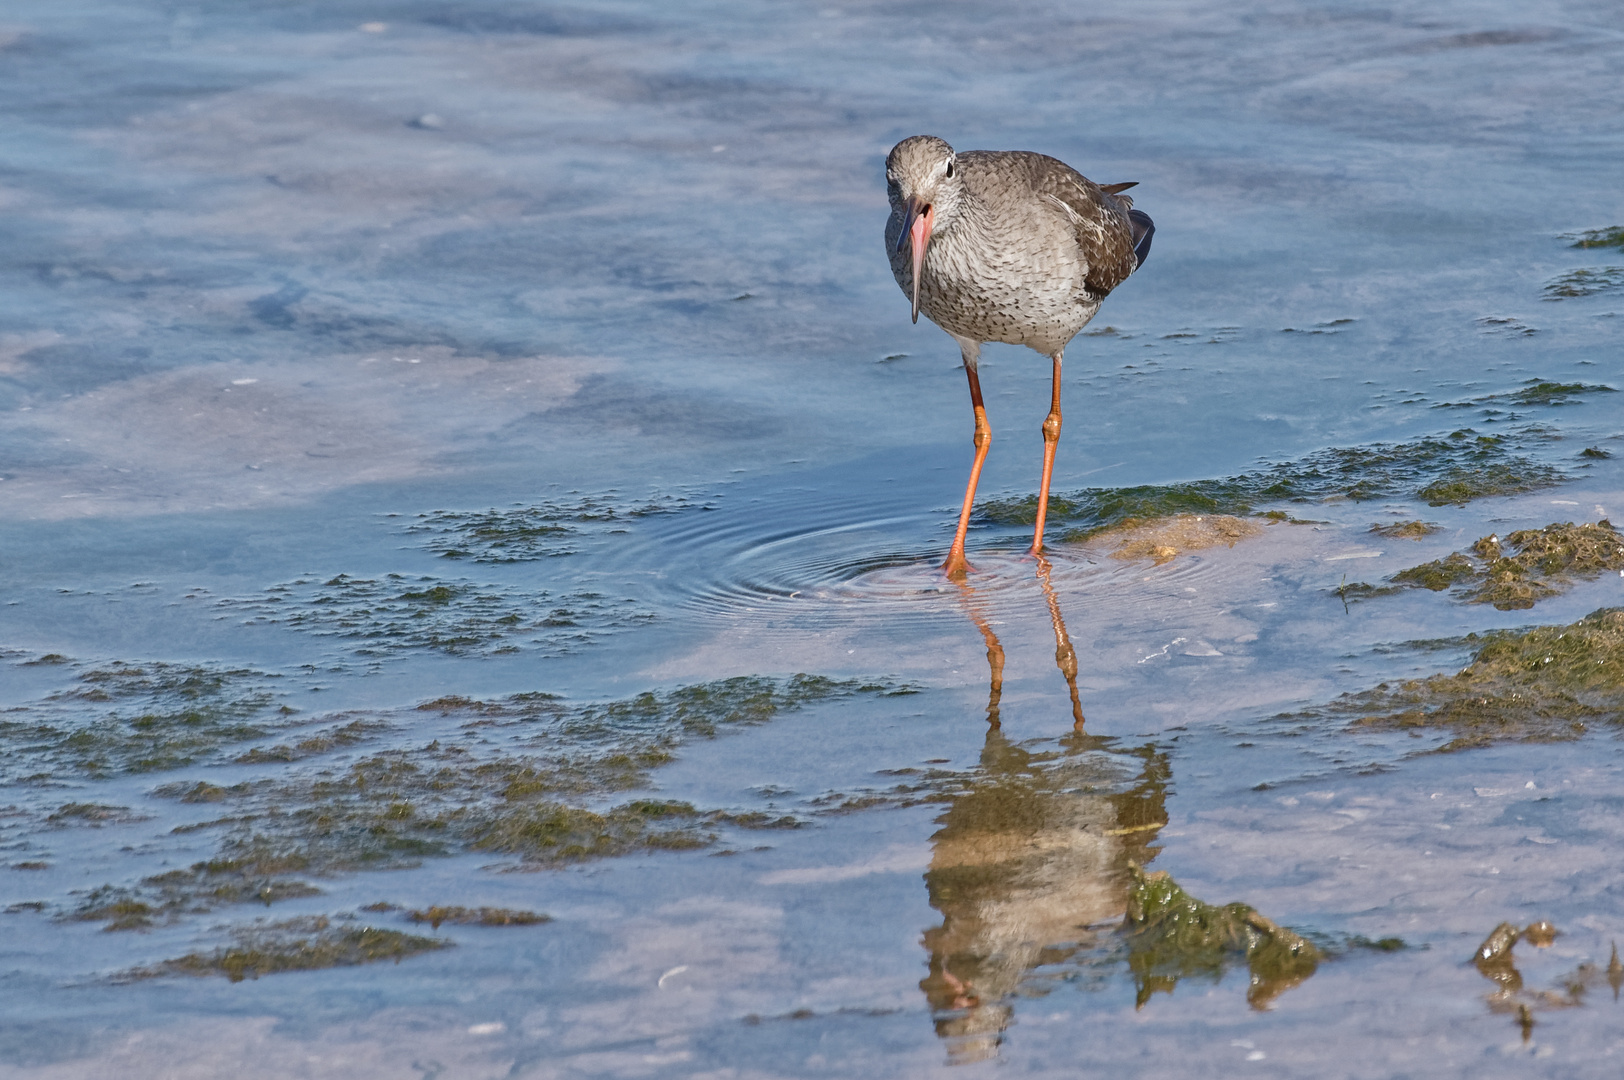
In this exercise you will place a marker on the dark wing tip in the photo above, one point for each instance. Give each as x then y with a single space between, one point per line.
1117 189
1143 230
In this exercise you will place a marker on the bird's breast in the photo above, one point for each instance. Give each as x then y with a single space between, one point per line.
1026 289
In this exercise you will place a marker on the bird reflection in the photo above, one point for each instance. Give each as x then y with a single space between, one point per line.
1032 858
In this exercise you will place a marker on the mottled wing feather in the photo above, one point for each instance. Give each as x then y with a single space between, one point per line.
1105 236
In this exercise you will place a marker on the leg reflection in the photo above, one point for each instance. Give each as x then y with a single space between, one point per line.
1064 655
995 651
1030 864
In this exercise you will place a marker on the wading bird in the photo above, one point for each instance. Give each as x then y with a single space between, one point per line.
1006 246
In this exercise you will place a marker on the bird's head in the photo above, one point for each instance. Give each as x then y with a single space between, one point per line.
924 186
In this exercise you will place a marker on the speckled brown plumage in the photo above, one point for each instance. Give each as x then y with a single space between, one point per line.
1011 246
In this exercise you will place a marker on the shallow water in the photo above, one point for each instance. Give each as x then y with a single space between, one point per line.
357 357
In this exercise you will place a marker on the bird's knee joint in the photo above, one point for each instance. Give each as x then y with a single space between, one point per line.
982 437
1051 427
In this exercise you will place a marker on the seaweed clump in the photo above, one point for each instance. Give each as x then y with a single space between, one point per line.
480 916
200 888
137 718
1534 392
1524 568
307 944
1543 684
542 803
1453 468
526 533
1612 236
1172 935
394 612
1405 530
1585 281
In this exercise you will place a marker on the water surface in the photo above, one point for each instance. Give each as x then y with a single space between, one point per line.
371 371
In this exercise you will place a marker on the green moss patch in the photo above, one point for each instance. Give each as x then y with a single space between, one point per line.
1543 684
1585 281
308 944
480 916
137 718
1455 468
541 797
1534 392
203 887
546 530
1405 530
395 612
1525 567
1612 236
93 814
338 737
1171 935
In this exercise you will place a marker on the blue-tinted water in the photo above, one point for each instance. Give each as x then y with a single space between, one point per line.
293 292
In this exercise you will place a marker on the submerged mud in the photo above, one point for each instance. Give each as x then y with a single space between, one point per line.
1161 540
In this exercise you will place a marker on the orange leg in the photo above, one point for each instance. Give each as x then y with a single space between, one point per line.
1051 436
1065 657
956 566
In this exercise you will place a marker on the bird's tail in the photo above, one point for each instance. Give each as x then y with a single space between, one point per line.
1143 230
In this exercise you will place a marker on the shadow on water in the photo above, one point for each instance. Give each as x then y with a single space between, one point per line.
1033 861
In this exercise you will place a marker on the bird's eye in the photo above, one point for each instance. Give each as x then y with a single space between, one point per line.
950 169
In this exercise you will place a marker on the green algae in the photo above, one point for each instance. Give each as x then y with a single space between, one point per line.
528 532
94 814
1612 236
336 738
554 833
538 797
174 894
1405 530
394 612
1541 392
312 943
1541 684
1585 281
1171 935
137 718
480 916
1524 568
1453 468
1439 574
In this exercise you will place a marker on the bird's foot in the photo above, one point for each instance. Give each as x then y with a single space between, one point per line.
956 566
